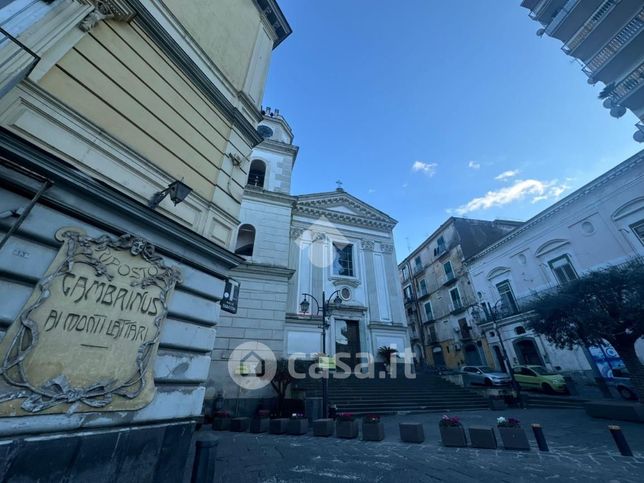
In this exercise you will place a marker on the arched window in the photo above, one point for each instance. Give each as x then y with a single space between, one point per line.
257 173
245 240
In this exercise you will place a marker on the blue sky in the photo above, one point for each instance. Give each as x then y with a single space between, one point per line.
426 108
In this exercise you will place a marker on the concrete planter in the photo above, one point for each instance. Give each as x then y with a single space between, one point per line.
297 426
497 404
411 432
323 427
618 410
239 425
482 437
373 431
346 429
514 438
453 436
221 424
259 425
278 426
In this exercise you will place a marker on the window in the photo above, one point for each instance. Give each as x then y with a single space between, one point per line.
343 260
418 264
440 246
405 272
563 269
422 287
449 273
245 240
428 311
407 292
456 298
505 292
257 173
638 229
305 342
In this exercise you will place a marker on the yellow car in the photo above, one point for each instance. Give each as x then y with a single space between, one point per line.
538 377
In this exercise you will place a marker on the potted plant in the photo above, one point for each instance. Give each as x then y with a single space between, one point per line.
512 434
372 428
297 424
387 353
346 426
221 421
452 431
260 423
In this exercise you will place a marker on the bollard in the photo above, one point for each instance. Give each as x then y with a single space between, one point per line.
539 436
620 440
203 468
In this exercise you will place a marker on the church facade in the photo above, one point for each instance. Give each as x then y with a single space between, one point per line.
300 248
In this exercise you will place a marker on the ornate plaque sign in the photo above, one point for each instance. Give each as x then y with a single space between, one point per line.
88 335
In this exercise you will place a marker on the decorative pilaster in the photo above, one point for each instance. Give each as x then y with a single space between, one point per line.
386 247
367 245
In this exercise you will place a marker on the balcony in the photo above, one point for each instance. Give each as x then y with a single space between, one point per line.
409 300
449 280
628 85
16 61
458 307
616 44
589 26
418 269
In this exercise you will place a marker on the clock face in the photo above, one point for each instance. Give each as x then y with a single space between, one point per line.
265 131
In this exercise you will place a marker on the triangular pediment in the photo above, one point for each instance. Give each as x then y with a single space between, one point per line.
341 206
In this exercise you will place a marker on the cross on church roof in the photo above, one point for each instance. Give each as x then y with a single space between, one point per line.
339 183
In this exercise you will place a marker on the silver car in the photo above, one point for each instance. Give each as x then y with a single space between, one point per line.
485 376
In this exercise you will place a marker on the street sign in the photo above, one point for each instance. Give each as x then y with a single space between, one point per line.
231 296
327 362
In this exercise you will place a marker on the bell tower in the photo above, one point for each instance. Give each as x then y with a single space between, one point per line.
272 160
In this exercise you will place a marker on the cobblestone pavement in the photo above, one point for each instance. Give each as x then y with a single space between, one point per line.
581 449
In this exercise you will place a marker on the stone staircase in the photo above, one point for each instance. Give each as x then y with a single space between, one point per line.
554 402
392 395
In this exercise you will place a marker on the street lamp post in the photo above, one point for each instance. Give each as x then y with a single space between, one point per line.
494 313
304 307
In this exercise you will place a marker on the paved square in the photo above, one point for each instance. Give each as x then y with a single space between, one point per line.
581 449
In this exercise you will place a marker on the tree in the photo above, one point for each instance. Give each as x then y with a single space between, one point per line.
281 381
603 305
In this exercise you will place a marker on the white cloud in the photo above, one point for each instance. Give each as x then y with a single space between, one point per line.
473 165
428 168
521 189
371 190
507 174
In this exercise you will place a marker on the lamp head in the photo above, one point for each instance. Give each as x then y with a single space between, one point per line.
304 305
178 191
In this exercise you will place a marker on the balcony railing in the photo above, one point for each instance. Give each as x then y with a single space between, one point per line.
629 84
561 15
595 19
16 61
628 33
538 9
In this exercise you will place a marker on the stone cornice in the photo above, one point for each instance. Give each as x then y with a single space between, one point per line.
319 205
548 213
251 192
280 147
273 16
71 178
264 269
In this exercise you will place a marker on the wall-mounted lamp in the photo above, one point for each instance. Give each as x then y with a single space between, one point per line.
177 190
